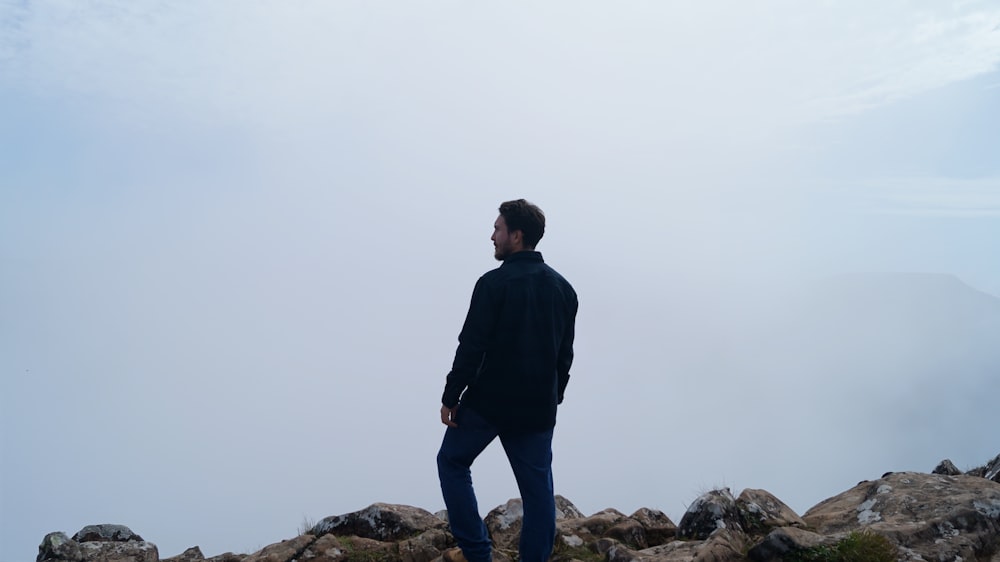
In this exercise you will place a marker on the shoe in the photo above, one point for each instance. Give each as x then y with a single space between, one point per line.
453 555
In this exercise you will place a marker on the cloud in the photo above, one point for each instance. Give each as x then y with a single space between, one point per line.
241 230
920 50
922 196
747 68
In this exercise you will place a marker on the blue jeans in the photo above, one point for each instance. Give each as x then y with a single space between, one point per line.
530 456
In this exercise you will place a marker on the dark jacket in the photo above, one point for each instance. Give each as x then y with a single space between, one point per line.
516 347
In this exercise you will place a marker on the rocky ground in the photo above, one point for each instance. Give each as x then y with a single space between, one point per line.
944 515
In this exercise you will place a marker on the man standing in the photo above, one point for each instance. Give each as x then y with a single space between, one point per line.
510 372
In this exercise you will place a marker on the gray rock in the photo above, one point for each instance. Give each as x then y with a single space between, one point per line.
931 516
658 527
106 532
587 531
993 470
103 543
328 548
425 547
761 511
283 551
227 557
946 467
504 524
381 522
192 554
713 510
565 509
723 545
613 551
57 546
785 540
120 551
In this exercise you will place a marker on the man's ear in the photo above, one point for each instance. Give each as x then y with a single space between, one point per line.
517 238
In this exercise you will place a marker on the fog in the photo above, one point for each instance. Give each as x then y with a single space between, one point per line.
238 242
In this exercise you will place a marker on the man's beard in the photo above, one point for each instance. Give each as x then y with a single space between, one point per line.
501 252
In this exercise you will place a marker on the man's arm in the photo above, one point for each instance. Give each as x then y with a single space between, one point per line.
472 344
565 359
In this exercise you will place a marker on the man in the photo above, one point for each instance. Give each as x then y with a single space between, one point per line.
510 372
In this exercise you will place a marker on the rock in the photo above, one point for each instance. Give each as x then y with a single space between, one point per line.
106 533
361 549
713 510
933 516
629 532
786 540
565 509
381 522
192 554
946 467
613 551
588 530
723 545
283 551
121 551
504 524
992 470
57 546
761 511
504 521
102 543
327 548
227 557
425 547
659 528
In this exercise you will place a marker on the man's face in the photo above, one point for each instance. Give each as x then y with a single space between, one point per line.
503 244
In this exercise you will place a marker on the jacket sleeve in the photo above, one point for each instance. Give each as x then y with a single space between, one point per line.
565 359
472 344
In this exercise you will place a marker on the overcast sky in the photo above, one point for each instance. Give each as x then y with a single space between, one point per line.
238 239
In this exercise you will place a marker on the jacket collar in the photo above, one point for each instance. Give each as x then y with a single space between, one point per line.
525 255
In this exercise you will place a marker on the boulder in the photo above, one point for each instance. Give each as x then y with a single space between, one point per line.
658 527
565 509
504 524
613 551
111 543
425 547
947 468
57 546
786 540
327 548
192 554
993 470
722 545
929 516
228 557
121 551
106 533
760 511
283 551
712 510
381 522
504 521
587 530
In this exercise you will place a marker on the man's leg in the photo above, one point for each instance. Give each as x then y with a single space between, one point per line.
530 456
459 449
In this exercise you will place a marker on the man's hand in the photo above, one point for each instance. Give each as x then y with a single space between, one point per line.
448 416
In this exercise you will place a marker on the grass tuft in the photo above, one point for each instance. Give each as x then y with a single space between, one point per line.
863 546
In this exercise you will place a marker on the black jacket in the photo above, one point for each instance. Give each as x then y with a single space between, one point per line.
516 347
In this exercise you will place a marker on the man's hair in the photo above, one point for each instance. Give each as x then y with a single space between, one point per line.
526 217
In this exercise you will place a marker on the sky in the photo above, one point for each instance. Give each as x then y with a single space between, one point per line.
238 239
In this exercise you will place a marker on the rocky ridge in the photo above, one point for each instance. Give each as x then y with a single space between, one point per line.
937 516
